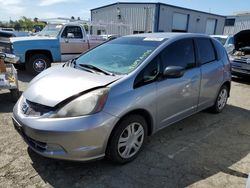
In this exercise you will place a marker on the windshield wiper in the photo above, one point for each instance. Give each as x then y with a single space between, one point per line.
88 66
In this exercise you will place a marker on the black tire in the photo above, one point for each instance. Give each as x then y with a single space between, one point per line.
112 152
15 94
216 108
31 67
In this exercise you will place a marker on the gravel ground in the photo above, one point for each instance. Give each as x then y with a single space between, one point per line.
204 150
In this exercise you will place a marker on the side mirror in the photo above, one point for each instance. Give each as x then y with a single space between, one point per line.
173 72
70 35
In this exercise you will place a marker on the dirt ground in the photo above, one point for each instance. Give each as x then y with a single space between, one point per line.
204 150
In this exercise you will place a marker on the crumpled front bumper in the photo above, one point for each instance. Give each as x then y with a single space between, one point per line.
78 139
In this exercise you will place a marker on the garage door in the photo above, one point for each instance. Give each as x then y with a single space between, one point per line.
210 28
180 22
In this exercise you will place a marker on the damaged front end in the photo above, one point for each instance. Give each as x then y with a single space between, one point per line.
240 56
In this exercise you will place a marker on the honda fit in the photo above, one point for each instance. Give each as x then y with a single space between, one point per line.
109 100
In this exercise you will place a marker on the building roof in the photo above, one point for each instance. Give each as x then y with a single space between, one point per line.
151 3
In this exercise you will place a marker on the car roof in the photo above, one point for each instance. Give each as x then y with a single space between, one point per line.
220 36
168 35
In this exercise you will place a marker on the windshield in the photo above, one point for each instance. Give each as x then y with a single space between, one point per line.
122 55
51 30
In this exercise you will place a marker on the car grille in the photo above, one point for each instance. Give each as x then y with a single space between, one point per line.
242 60
6 47
39 146
34 109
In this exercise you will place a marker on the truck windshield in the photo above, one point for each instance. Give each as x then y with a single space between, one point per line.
51 30
122 55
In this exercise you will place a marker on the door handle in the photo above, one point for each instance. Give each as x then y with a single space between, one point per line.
66 41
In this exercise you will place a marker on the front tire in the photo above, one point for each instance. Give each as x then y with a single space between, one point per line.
127 139
37 63
221 100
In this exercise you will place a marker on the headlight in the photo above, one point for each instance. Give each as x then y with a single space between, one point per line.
231 58
86 104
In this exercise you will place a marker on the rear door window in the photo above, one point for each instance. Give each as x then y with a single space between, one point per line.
206 50
179 53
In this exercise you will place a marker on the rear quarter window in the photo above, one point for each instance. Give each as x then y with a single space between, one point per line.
219 49
206 50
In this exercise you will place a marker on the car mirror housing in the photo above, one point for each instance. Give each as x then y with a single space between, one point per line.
173 72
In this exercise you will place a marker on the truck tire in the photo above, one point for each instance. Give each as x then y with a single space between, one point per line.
37 63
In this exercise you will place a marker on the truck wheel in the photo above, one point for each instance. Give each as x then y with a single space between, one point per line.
37 63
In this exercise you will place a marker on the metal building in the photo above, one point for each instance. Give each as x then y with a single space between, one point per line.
154 17
237 23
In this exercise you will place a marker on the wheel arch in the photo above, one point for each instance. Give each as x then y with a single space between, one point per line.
142 112
29 53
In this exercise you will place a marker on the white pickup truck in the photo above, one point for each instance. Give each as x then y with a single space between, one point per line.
55 43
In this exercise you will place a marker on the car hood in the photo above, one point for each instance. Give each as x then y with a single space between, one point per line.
30 38
242 39
59 83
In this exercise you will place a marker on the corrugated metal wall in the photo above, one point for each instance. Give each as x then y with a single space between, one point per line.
142 18
241 23
135 17
197 20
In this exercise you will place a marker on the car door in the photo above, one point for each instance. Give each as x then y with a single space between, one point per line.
177 98
73 42
211 72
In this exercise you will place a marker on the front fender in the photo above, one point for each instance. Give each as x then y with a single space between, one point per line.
20 48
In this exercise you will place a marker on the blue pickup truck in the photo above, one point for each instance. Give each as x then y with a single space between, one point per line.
55 43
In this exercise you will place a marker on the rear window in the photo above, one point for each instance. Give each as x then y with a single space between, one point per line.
206 50
219 49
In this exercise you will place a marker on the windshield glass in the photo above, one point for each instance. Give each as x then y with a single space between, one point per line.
122 55
51 30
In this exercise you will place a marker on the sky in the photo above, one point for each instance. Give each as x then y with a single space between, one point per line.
14 9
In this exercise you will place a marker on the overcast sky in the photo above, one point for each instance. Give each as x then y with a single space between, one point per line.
13 9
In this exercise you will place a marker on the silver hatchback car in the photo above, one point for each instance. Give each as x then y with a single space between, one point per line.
107 101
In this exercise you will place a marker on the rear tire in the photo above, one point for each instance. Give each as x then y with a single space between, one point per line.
221 100
127 139
37 63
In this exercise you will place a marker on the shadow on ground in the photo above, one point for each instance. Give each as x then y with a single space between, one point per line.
241 80
6 102
180 155
23 76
